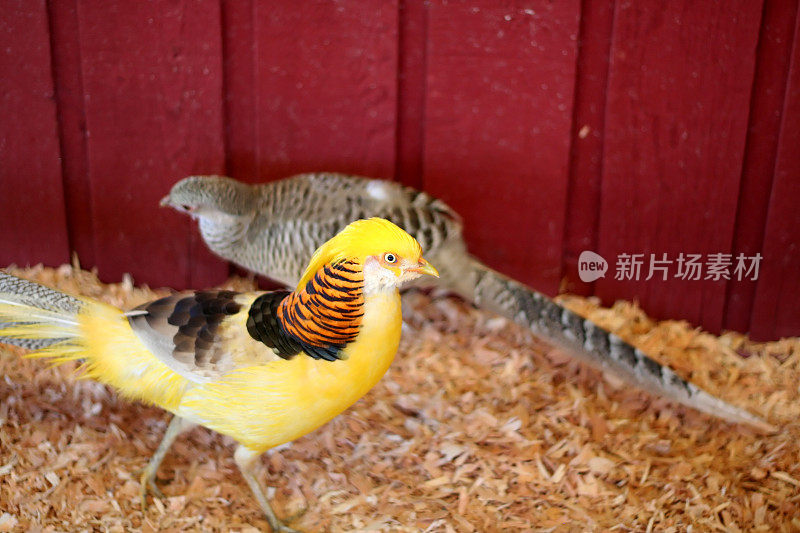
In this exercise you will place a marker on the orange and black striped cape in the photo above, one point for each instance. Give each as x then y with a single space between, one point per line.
320 320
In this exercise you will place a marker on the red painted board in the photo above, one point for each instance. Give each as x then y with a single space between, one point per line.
64 29
412 43
776 311
326 87
766 108
152 76
497 127
33 226
239 69
586 153
676 119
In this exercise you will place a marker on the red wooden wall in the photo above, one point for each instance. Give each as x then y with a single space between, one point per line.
553 127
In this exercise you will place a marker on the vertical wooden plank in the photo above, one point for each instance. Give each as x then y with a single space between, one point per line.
497 126
326 87
239 67
766 108
678 97
586 152
776 310
412 44
152 78
33 225
65 39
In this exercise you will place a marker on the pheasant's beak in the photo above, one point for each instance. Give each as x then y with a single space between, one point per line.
167 202
423 267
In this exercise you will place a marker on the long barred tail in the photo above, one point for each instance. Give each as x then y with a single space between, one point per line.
594 345
38 318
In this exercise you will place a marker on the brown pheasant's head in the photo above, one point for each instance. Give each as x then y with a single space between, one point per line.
209 196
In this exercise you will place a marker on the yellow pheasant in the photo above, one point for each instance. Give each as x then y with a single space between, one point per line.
263 367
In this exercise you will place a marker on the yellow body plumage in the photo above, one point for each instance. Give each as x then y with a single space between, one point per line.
115 356
260 406
266 405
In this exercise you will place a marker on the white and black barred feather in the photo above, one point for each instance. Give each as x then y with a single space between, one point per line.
48 305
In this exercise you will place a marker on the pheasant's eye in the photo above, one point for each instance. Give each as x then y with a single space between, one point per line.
390 258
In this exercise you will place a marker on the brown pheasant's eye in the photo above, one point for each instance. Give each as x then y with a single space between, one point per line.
390 258
187 207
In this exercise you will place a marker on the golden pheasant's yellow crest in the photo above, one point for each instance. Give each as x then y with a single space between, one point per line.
361 239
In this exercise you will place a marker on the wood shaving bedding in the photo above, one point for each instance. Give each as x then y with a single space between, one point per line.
478 426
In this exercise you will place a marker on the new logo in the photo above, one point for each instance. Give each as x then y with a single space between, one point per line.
591 266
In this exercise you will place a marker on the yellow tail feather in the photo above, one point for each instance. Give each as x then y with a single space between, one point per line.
100 336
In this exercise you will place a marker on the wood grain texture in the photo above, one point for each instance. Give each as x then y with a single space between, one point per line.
239 70
679 89
33 225
766 110
152 78
497 125
776 310
586 151
65 39
412 48
326 88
